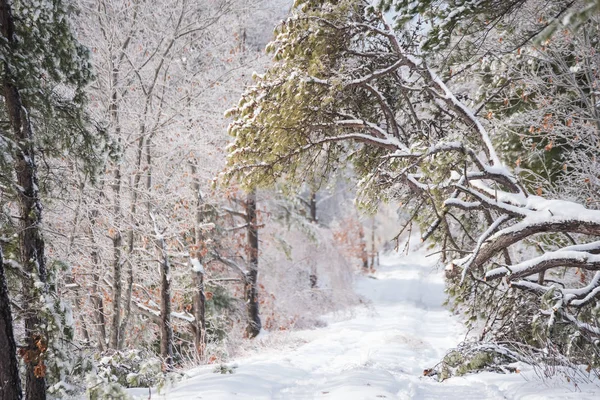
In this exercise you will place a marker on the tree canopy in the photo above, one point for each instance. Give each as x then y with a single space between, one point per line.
434 104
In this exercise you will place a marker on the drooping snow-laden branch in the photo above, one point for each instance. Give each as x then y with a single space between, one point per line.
352 91
534 215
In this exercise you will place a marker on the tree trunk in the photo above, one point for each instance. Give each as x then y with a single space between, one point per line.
10 383
251 290
373 252
98 301
30 218
364 256
166 330
313 207
199 299
95 296
131 236
117 290
128 294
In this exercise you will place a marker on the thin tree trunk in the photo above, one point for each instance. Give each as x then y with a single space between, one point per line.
313 278
30 218
84 329
166 339
98 302
364 256
96 297
373 252
117 285
166 329
199 304
117 290
199 299
313 206
251 291
131 234
117 238
10 383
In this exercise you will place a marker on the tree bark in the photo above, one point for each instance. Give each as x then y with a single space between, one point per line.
98 303
117 290
251 290
166 329
199 298
313 278
116 187
96 297
503 240
373 251
10 383
30 218
364 255
313 206
199 304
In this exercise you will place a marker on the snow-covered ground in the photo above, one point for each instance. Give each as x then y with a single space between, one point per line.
379 351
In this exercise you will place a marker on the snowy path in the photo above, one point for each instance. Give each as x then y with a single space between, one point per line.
380 352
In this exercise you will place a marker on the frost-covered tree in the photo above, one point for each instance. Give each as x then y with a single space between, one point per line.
9 370
43 73
162 84
152 79
355 84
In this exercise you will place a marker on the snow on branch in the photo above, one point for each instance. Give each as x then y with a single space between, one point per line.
506 237
154 314
561 258
376 74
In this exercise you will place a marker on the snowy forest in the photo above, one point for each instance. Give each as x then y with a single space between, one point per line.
344 199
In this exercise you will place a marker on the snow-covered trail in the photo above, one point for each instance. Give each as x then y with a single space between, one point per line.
380 352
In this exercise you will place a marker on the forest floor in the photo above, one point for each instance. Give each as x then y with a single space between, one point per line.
378 351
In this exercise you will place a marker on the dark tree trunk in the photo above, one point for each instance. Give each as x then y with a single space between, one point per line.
166 330
313 218
10 383
313 206
30 217
199 313
117 285
251 291
117 290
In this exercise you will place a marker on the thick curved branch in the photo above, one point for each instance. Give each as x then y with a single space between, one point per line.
561 258
513 234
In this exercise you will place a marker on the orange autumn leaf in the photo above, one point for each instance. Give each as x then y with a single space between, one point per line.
39 370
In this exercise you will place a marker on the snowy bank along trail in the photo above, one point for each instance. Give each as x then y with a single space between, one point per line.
377 352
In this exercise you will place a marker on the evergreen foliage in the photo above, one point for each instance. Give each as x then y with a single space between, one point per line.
437 105
44 73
